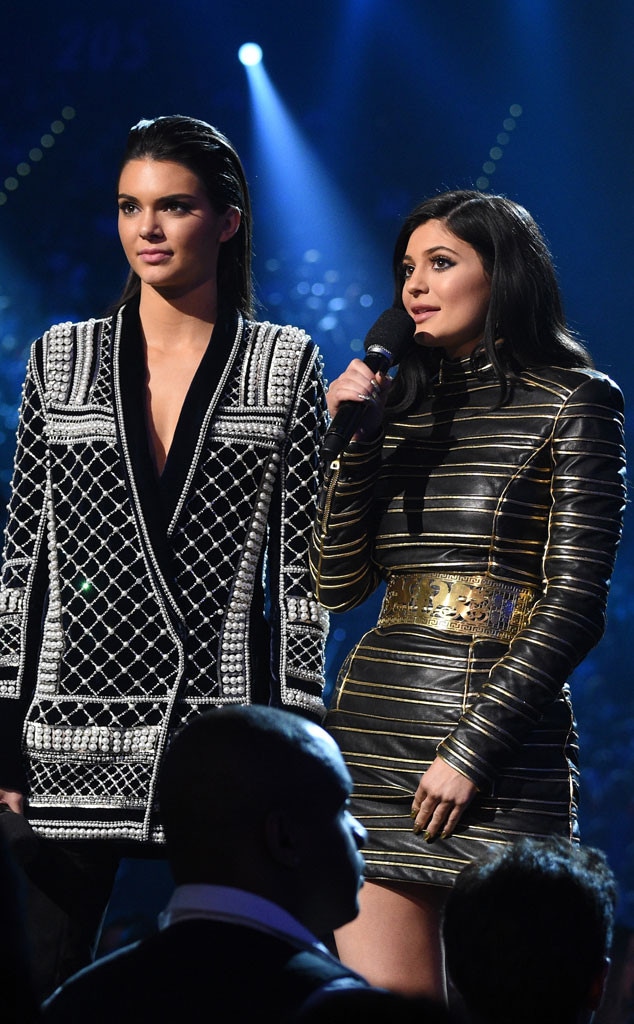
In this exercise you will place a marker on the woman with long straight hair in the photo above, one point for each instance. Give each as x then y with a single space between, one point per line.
156 552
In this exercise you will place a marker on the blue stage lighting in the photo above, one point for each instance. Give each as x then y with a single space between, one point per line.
319 258
250 54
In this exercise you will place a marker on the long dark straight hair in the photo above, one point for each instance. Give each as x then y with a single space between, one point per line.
525 309
211 157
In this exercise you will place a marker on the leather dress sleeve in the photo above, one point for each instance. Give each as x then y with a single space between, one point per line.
566 622
342 539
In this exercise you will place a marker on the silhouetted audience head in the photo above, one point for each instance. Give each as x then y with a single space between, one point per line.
528 932
256 798
266 859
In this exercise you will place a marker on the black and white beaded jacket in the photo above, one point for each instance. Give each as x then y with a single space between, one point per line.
129 602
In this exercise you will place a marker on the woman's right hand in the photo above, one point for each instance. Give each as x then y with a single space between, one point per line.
358 383
13 799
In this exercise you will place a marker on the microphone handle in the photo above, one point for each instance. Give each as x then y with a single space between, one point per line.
350 413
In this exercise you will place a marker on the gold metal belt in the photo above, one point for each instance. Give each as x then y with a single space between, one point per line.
477 605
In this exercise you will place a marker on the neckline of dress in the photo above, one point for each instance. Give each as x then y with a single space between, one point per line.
464 368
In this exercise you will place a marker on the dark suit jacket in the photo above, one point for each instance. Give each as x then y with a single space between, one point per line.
198 970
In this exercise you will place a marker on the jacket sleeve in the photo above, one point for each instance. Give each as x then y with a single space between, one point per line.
341 563
299 623
568 620
23 581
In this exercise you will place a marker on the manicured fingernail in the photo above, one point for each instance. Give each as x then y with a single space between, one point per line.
413 813
428 837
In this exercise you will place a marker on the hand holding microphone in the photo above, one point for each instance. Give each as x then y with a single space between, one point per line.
356 392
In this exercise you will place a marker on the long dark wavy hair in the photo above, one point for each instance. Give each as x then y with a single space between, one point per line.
211 157
525 309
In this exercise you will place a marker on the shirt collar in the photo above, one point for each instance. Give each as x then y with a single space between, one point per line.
236 906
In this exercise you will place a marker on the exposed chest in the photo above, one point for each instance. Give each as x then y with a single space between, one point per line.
169 378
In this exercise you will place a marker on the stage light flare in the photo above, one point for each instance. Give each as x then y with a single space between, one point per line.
250 54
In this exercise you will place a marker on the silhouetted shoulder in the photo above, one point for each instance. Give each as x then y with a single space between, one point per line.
372 1006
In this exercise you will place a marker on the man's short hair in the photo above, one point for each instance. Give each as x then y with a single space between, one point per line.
527 930
227 768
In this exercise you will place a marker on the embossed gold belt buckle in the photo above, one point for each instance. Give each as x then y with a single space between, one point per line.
477 605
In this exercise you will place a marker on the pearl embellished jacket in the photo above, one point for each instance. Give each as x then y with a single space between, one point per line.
130 602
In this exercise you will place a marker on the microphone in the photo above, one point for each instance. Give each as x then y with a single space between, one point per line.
384 345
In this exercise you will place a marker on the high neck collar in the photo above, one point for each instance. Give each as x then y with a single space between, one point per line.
475 366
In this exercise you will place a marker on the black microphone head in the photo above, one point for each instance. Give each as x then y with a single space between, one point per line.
392 333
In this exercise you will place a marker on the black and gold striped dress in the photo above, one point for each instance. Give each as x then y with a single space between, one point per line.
496 530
